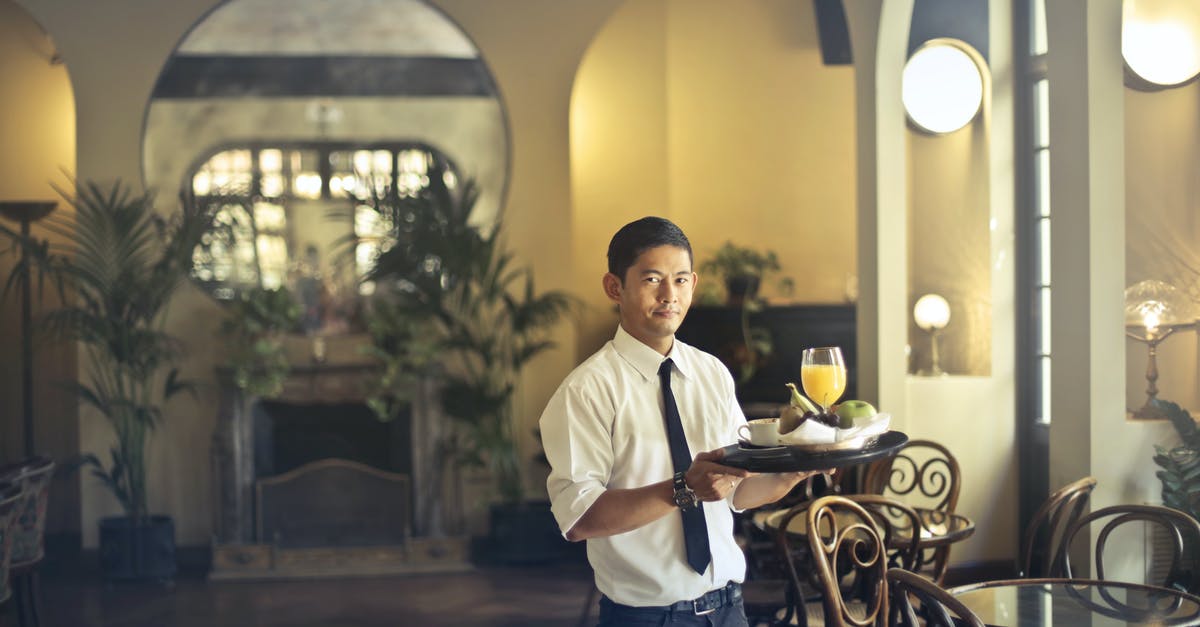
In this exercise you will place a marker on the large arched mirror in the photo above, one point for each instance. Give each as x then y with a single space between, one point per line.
289 112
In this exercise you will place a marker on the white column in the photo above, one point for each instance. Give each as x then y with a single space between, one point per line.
879 37
1087 256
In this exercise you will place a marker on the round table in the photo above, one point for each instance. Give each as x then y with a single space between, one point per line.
1059 602
937 528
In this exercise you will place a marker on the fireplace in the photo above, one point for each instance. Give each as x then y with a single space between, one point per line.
311 483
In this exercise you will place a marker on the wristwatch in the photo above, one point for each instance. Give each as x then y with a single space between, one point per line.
684 497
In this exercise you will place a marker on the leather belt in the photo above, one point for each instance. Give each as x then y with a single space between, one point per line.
708 603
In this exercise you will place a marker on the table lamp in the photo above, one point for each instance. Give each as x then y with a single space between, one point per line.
26 212
932 314
1154 310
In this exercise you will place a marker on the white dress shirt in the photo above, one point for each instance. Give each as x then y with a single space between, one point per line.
604 428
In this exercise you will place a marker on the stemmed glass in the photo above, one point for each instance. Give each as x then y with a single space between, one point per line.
823 375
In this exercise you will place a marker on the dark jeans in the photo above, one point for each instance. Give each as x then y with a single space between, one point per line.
614 615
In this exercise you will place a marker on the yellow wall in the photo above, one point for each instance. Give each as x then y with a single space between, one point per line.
950 245
37 124
677 112
1162 193
761 139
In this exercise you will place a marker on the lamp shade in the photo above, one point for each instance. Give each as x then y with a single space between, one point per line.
1152 304
932 312
26 210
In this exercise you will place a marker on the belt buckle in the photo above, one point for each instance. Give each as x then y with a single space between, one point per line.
712 607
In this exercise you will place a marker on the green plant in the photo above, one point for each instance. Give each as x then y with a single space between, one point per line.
456 286
253 331
117 268
742 270
1180 465
731 260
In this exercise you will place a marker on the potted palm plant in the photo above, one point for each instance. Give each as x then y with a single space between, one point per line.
457 283
117 269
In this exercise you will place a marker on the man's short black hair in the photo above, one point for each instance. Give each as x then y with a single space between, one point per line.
637 237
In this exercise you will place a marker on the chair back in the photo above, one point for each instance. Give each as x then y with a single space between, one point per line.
850 558
1041 553
33 475
938 608
1183 533
901 528
10 496
923 474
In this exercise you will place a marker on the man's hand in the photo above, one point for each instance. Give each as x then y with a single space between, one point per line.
709 479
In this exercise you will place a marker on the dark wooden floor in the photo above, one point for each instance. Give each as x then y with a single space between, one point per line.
534 596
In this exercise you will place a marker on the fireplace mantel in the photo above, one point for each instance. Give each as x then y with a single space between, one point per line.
239 554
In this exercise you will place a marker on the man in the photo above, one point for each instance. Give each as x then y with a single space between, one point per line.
657 517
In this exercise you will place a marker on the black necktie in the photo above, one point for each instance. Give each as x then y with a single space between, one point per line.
695 531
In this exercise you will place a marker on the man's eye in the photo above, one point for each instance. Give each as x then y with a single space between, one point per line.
652 279
681 280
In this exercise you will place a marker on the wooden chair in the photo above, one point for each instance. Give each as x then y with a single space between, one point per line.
938 608
923 474
1183 533
901 527
848 551
768 594
1043 539
28 531
10 498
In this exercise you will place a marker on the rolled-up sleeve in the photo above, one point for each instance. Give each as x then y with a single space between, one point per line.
576 436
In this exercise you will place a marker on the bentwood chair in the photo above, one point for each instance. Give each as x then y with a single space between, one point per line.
935 607
1041 552
1182 533
848 551
923 474
28 531
768 595
894 522
10 497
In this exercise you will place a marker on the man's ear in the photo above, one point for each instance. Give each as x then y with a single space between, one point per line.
612 287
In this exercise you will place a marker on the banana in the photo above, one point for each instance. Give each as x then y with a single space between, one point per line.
801 401
791 418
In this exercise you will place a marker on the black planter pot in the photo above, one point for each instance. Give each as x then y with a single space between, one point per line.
525 533
741 288
137 552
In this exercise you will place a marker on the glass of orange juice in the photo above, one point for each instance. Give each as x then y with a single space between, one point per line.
823 375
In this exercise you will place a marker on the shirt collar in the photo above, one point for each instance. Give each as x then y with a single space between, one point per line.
646 360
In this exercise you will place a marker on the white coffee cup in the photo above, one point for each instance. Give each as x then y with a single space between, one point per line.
761 431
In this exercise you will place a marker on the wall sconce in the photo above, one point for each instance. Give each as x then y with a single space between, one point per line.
942 86
1160 41
1154 310
26 212
932 314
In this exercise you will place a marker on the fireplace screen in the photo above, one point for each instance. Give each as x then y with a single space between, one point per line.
334 503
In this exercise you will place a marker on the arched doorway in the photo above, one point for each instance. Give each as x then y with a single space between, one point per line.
37 122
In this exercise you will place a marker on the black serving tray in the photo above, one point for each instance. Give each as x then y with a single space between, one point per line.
796 458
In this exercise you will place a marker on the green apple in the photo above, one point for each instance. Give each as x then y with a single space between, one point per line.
847 411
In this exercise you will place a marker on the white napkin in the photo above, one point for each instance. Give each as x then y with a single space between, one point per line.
813 432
